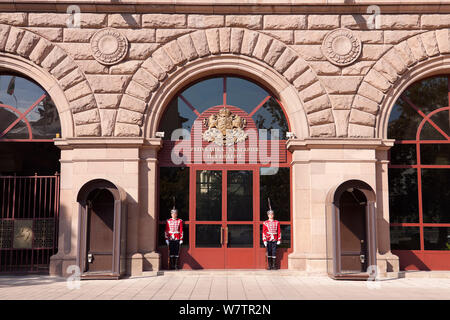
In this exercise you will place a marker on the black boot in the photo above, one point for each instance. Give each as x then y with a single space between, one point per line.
175 263
269 263
171 263
274 264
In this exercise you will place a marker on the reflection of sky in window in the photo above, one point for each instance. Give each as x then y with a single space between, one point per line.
205 94
26 93
396 112
186 112
244 94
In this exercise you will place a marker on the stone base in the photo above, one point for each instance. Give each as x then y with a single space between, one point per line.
135 264
59 265
152 261
311 263
387 262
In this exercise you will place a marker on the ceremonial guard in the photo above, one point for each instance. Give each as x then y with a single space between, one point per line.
271 236
174 237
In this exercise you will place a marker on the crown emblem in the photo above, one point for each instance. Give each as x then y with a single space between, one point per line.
224 127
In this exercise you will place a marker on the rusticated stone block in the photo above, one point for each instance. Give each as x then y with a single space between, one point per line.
370 92
323 21
186 43
402 21
165 35
140 35
435 21
146 79
4 31
359 131
225 35
309 36
212 36
275 51
296 69
395 61
442 37
175 52
63 68
130 103
305 79
82 104
417 48
77 34
91 67
141 51
125 67
386 70
396 36
127 130
93 20
88 130
341 122
71 79
108 120
78 51
108 100
378 81
77 91
311 92
154 68
336 85
357 68
320 103
341 101
320 117
14 37
85 117
53 58
200 43
244 21
40 51
236 40
324 130
161 57
198 21
51 34
430 43
124 20
284 22
364 104
262 46
108 83
249 42
13 18
136 90
48 19
362 118
128 116
156 20
404 52
27 44
310 52
286 59
285 36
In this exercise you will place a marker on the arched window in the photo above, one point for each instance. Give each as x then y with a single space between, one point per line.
419 171
27 113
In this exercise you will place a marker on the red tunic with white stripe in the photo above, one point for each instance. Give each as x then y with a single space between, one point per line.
174 229
271 231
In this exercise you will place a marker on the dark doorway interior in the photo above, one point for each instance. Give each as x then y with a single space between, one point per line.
353 231
100 231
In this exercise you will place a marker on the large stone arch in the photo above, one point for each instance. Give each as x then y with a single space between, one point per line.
232 43
417 57
53 66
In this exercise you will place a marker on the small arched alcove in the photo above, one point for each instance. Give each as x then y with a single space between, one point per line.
101 230
351 234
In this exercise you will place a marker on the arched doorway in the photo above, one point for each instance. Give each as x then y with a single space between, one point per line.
351 241
102 230
29 175
221 179
419 175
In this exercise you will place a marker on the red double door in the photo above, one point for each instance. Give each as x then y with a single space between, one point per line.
225 226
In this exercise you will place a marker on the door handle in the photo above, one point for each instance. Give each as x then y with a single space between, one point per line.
226 235
90 257
362 258
221 236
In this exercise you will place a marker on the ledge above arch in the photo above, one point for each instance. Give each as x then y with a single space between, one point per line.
232 43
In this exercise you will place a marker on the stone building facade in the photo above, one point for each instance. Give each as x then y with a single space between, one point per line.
336 69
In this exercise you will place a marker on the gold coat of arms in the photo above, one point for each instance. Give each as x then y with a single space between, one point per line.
224 128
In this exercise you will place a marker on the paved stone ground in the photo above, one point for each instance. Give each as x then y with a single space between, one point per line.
223 285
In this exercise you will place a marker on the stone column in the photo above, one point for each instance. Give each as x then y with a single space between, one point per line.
148 215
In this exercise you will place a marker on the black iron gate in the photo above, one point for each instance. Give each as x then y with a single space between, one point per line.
28 222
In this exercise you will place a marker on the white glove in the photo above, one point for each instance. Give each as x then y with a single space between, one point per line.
167 242
265 243
278 242
181 242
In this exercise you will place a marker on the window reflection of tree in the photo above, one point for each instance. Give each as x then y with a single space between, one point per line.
403 195
174 182
276 187
271 116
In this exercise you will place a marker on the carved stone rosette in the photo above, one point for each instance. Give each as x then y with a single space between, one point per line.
109 46
341 47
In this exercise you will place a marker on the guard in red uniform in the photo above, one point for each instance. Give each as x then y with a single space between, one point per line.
271 236
174 238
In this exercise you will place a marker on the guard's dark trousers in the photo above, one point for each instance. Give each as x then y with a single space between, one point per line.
174 250
271 254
